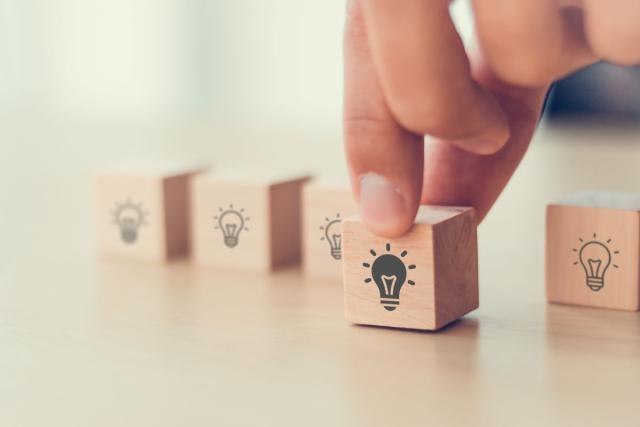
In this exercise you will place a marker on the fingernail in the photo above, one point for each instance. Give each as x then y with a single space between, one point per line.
381 205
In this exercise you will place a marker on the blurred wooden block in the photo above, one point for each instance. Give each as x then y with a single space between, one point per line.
324 208
592 250
144 213
248 221
425 279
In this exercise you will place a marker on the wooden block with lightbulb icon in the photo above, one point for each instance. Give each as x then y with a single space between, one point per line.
247 220
324 207
142 211
425 279
593 250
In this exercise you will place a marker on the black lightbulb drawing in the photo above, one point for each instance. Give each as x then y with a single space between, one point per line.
231 222
595 258
389 273
333 235
129 217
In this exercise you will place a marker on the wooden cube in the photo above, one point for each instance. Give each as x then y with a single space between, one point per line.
144 213
247 221
424 279
592 250
324 208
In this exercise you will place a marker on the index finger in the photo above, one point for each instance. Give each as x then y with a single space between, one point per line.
426 76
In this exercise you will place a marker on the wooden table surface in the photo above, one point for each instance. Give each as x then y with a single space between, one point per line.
94 342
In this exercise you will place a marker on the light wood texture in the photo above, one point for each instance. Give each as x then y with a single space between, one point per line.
88 341
143 215
592 252
423 280
324 207
249 225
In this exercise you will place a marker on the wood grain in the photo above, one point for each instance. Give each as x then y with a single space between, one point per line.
581 241
324 207
142 215
439 256
269 210
94 341
455 250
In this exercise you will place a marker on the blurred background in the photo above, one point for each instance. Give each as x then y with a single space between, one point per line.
145 60
125 61
87 83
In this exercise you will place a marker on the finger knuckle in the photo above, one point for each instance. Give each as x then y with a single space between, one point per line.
615 41
524 67
434 114
356 125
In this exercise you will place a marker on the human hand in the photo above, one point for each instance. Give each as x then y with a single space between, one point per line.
407 75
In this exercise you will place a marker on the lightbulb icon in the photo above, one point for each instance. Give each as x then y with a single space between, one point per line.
231 222
389 273
595 258
333 235
129 217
